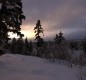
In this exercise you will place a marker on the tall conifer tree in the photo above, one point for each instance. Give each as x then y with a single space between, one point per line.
38 30
11 16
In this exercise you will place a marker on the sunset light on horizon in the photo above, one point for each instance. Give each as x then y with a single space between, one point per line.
69 16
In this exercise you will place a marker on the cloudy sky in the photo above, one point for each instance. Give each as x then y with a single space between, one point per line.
69 16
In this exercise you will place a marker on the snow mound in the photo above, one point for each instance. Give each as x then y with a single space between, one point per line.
20 67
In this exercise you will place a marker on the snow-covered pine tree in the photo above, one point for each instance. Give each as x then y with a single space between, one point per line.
61 47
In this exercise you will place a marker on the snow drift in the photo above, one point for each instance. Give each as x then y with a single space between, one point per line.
20 67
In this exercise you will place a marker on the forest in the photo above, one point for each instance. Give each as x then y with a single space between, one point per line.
59 48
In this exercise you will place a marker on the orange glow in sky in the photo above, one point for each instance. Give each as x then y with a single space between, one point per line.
27 30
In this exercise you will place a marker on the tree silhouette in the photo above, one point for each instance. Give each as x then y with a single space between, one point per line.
84 46
20 46
13 47
26 46
60 36
61 47
38 30
30 48
11 16
56 39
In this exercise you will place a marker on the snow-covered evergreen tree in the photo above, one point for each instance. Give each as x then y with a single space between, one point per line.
61 47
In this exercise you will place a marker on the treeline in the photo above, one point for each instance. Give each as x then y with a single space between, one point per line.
11 17
58 49
21 46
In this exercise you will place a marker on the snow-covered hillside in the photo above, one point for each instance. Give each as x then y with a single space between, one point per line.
19 67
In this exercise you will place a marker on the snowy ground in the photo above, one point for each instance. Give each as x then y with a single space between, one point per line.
19 67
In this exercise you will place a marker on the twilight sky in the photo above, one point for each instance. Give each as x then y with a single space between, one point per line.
69 16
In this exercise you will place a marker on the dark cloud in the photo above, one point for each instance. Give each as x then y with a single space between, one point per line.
55 15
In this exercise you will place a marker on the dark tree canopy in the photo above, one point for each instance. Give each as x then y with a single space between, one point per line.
30 47
59 37
56 38
13 47
11 16
84 46
26 46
